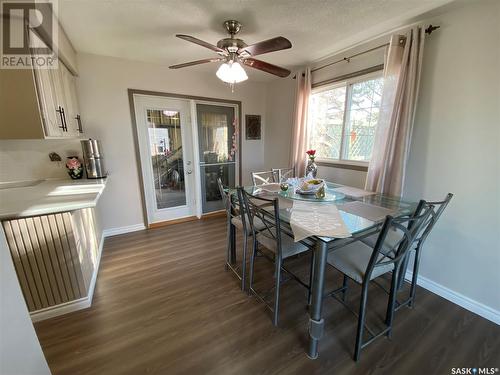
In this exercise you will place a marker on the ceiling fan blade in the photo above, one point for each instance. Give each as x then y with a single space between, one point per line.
200 42
266 67
197 62
266 46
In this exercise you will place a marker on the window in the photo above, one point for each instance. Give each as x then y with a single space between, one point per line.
343 117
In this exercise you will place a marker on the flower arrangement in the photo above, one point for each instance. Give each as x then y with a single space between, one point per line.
311 153
75 169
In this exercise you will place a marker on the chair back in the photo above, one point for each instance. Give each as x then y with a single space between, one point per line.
232 209
437 209
406 229
267 211
263 178
281 174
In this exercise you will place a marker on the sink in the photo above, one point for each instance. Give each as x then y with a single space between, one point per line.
19 184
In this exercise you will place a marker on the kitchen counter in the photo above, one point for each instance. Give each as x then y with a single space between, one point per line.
31 198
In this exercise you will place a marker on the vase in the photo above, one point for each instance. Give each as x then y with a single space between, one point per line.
311 168
76 173
74 167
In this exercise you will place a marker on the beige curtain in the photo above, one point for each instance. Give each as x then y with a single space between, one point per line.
386 172
299 136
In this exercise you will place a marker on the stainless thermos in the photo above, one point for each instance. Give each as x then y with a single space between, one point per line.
93 158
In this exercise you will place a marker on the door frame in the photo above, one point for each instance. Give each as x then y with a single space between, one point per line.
206 100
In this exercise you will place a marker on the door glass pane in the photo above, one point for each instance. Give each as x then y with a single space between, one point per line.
215 133
214 137
165 143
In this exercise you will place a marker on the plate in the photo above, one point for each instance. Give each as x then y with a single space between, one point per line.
304 192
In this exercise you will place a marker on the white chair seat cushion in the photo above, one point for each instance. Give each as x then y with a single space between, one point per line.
353 259
259 225
288 246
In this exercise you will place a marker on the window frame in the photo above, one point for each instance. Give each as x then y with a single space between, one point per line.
348 83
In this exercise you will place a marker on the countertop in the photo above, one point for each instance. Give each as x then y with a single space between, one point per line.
48 196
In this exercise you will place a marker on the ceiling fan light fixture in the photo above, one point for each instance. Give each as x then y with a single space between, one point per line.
231 72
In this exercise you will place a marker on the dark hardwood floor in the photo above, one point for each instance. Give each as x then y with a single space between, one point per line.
163 304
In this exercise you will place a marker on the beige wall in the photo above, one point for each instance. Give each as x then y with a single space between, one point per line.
29 159
20 351
102 89
278 136
455 148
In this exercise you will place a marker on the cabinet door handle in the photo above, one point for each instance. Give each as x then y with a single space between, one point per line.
79 122
60 110
64 119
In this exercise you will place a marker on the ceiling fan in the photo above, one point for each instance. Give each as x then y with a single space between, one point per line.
233 52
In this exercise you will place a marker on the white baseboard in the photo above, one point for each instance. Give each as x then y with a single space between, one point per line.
61 309
121 230
457 298
78 304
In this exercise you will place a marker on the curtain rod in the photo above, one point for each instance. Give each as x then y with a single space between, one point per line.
428 31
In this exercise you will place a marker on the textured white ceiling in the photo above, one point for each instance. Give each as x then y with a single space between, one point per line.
144 29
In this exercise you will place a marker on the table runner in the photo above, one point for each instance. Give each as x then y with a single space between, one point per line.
317 219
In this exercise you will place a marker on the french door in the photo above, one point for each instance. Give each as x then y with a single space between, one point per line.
185 145
165 140
217 156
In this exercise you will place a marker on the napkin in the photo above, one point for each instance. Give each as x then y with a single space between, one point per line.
317 219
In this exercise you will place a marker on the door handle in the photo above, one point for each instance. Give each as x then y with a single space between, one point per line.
188 162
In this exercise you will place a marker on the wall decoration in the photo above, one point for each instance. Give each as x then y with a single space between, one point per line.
252 127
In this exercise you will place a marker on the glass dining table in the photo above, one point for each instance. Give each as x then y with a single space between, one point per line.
362 215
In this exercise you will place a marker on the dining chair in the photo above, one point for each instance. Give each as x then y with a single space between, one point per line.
363 264
283 173
416 246
262 178
271 237
235 217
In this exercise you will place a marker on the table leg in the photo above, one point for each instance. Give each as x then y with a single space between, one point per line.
316 322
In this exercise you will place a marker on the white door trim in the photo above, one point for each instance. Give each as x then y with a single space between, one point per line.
183 106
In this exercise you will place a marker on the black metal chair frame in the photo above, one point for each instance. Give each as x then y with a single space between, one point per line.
267 210
437 209
382 256
234 210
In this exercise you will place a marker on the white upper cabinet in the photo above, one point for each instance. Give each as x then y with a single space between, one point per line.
71 109
39 103
51 112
